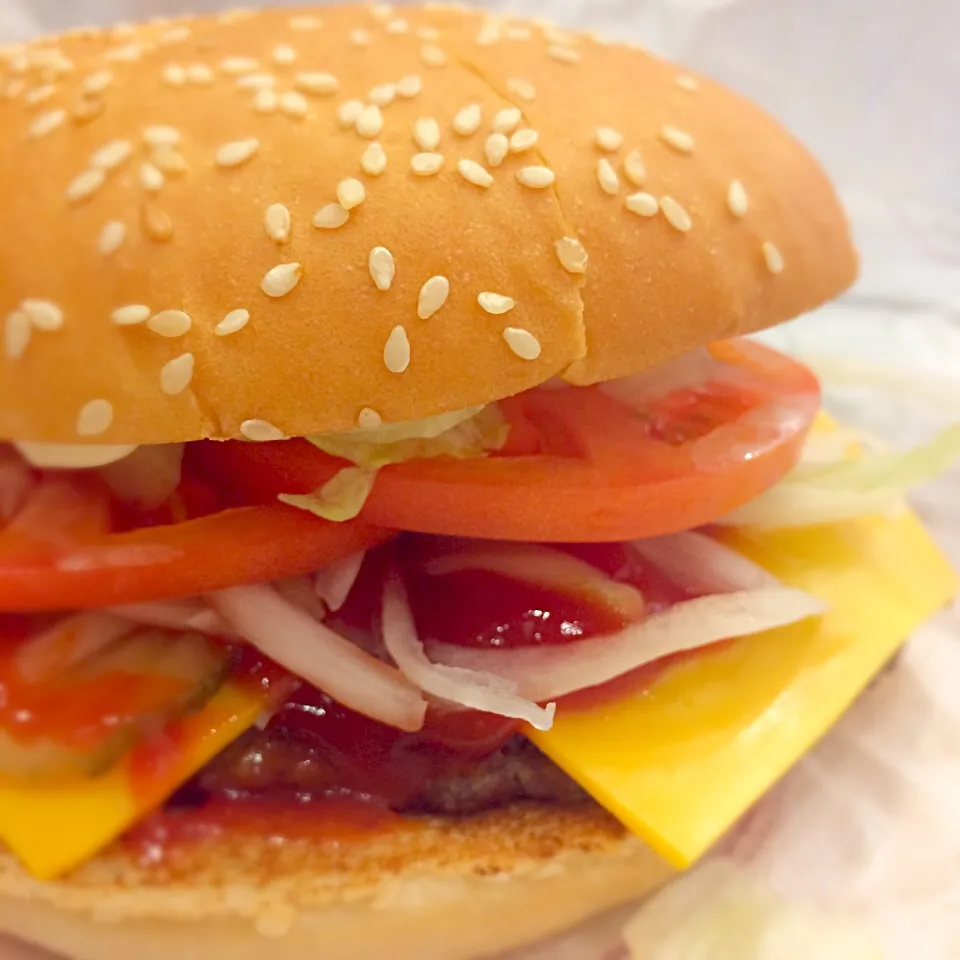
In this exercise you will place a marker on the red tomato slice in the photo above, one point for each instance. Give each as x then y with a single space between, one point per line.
582 466
244 545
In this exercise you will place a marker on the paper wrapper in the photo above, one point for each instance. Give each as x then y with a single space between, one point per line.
866 825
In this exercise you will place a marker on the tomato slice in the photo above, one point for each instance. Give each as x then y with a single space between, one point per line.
583 466
223 549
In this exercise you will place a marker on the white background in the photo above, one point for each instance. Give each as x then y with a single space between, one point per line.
867 823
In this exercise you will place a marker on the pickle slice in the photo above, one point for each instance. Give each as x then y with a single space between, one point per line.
100 709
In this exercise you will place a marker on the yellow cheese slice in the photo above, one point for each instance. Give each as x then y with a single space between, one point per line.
53 829
680 762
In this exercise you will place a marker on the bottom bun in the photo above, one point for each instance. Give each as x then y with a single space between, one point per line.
420 890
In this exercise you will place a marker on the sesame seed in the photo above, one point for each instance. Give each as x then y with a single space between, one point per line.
156 222
43 314
687 82
409 86
173 75
489 35
369 419
370 122
496 148
111 237
433 295
330 217
170 323
284 55
349 113
112 154
609 139
560 37
199 74
97 82
536 177
316 83
168 160
737 201
382 267
294 104
374 160
572 255
161 136
281 279
16 334
276 221
177 35
381 11
475 173
772 257
523 89
351 193
396 351
681 141
359 38
46 123
86 110
237 65
642 204
507 120
397 26
151 179
129 53
237 152
13 89
260 431
467 120
94 418
426 132
607 177
265 101
176 374
563 54
85 185
522 342
40 94
426 164
496 303
433 56
302 24
676 216
523 140
131 315
635 169
430 34
234 321
256 81
383 95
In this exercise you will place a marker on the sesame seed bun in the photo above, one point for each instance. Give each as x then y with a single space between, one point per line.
163 279
444 890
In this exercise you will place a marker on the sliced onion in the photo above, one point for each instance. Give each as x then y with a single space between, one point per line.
68 643
16 482
175 615
148 477
466 687
543 567
545 673
316 654
299 591
334 582
702 564
691 369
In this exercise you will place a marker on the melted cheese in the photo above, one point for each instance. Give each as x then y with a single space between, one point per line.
681 762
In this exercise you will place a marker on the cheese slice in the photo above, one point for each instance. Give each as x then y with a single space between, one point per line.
53 829
681 761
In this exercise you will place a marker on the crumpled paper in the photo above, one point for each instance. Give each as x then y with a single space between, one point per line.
866 825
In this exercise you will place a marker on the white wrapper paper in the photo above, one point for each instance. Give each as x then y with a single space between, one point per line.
867 824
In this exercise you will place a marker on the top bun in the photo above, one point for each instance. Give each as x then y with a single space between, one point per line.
156 180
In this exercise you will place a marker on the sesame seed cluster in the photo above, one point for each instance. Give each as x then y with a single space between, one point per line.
275 223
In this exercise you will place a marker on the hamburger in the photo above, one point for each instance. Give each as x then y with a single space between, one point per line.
403 550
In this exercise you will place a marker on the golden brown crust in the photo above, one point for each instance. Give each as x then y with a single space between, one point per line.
313 359
445 890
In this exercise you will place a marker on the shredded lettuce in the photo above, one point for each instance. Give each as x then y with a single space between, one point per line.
339 499
816 492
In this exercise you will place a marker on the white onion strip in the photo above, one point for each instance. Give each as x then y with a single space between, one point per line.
190 614
323 658
702 564
545 673
334 582
69 642
469 688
